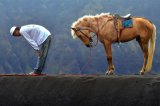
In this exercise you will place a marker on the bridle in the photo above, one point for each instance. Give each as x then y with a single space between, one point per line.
79 29
90 38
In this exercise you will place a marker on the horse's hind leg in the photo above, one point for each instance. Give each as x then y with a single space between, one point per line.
144 46
108 49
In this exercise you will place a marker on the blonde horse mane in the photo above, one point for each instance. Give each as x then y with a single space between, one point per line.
86 17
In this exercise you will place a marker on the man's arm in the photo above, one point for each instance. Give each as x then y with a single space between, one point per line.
30 41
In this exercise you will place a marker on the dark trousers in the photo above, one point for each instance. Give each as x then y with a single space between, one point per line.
44 47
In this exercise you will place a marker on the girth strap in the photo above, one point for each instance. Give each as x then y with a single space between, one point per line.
118 24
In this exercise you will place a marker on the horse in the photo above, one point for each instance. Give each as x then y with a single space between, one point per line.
103 25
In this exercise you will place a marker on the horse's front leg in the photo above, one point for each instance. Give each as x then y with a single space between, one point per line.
108 49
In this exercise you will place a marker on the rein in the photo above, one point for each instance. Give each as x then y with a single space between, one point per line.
90 39
88 61
97 33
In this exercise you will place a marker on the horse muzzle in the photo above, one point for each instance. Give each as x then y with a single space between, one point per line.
90 44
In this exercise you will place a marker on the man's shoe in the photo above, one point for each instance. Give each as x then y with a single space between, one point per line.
35 73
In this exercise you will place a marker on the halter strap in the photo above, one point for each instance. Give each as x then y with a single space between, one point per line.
79 30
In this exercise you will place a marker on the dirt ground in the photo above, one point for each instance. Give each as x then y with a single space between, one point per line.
77 90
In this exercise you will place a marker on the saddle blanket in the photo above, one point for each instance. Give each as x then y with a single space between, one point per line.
127 23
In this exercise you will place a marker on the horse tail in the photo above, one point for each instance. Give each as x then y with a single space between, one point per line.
151 49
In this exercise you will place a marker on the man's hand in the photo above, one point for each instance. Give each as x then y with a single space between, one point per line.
39 53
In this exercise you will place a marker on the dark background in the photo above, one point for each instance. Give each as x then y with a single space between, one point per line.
66 55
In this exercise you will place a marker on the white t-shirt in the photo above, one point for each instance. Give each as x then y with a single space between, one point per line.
34 34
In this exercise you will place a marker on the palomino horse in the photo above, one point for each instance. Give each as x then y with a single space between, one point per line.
103 25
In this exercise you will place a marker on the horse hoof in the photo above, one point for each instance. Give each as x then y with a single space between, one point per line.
109 73
141 72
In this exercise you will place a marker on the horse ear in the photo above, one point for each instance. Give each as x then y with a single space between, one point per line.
74 29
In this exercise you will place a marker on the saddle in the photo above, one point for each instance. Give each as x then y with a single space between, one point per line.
121 22
128 16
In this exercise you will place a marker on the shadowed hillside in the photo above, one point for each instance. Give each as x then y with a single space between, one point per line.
68 55
69 90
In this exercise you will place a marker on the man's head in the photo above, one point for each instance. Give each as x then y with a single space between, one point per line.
15 31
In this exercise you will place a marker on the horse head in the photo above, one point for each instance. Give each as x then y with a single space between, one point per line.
82 29
83 33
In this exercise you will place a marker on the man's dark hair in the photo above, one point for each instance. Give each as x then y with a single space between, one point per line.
18 28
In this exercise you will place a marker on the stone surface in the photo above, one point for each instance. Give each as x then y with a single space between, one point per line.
73 90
